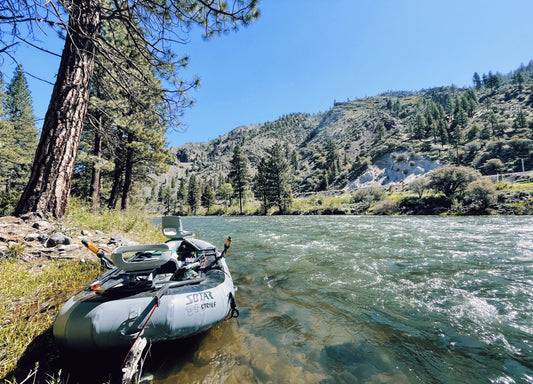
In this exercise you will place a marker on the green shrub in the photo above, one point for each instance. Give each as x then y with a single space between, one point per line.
8 202
501 186
216 210
430 205
452 180
493 166
371 194
16 250
479 196
385 207
419 186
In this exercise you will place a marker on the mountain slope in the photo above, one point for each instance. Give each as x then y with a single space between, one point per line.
393 136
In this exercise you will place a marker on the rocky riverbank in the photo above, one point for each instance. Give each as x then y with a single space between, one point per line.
31 237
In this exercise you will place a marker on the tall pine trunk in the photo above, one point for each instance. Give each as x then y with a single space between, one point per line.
240 201
128 175
118 181
48 189
95 176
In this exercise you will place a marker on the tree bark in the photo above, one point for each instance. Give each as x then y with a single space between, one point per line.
48 189
118 181
95 177
128 175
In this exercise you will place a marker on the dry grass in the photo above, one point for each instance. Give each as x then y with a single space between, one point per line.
30 296
31 293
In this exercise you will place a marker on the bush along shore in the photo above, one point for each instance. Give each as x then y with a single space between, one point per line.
482 197
42 264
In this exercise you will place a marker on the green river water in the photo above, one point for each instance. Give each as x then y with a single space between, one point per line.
361 299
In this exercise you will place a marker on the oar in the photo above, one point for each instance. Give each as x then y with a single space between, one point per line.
129 364
234 309
226 247
133 355
217 258
101 255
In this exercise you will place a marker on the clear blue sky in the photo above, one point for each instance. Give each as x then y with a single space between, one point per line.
301 55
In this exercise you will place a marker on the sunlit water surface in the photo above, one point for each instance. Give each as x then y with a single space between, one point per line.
361 299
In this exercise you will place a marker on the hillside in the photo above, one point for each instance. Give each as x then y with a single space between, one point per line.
387 138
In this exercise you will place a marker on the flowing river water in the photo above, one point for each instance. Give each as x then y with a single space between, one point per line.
362 299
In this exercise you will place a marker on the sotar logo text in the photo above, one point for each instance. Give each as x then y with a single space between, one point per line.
199 297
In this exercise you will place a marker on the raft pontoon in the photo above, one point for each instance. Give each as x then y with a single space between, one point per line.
163 292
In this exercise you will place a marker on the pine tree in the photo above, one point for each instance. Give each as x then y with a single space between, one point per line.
208 196
167 198
493 121
460 117
397 107
380 130
239 174
155 24
493 81
477 81
274 186
194 194
519 78
520 120
485 80
182 195
9 156
420 126
19 110
442 132
260 184
332 160
133 127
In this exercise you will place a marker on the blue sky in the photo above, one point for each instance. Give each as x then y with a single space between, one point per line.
301 55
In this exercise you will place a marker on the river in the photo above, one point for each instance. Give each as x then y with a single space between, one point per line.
362 299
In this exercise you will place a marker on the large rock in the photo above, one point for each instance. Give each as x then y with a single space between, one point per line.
57 239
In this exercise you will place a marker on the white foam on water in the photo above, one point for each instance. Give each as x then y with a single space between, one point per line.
478 310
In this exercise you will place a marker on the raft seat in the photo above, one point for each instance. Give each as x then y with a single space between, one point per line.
160 254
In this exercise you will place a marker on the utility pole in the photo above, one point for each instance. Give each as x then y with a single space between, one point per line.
522 159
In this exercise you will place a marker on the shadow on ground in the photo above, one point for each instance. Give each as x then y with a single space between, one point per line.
44 362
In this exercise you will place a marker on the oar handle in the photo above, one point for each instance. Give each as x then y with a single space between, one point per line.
227 245
91 246
101 254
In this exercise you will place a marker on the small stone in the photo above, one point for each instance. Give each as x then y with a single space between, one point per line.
42 225
67 247
116 238
31 237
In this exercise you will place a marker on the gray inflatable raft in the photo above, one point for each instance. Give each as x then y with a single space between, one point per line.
163 292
